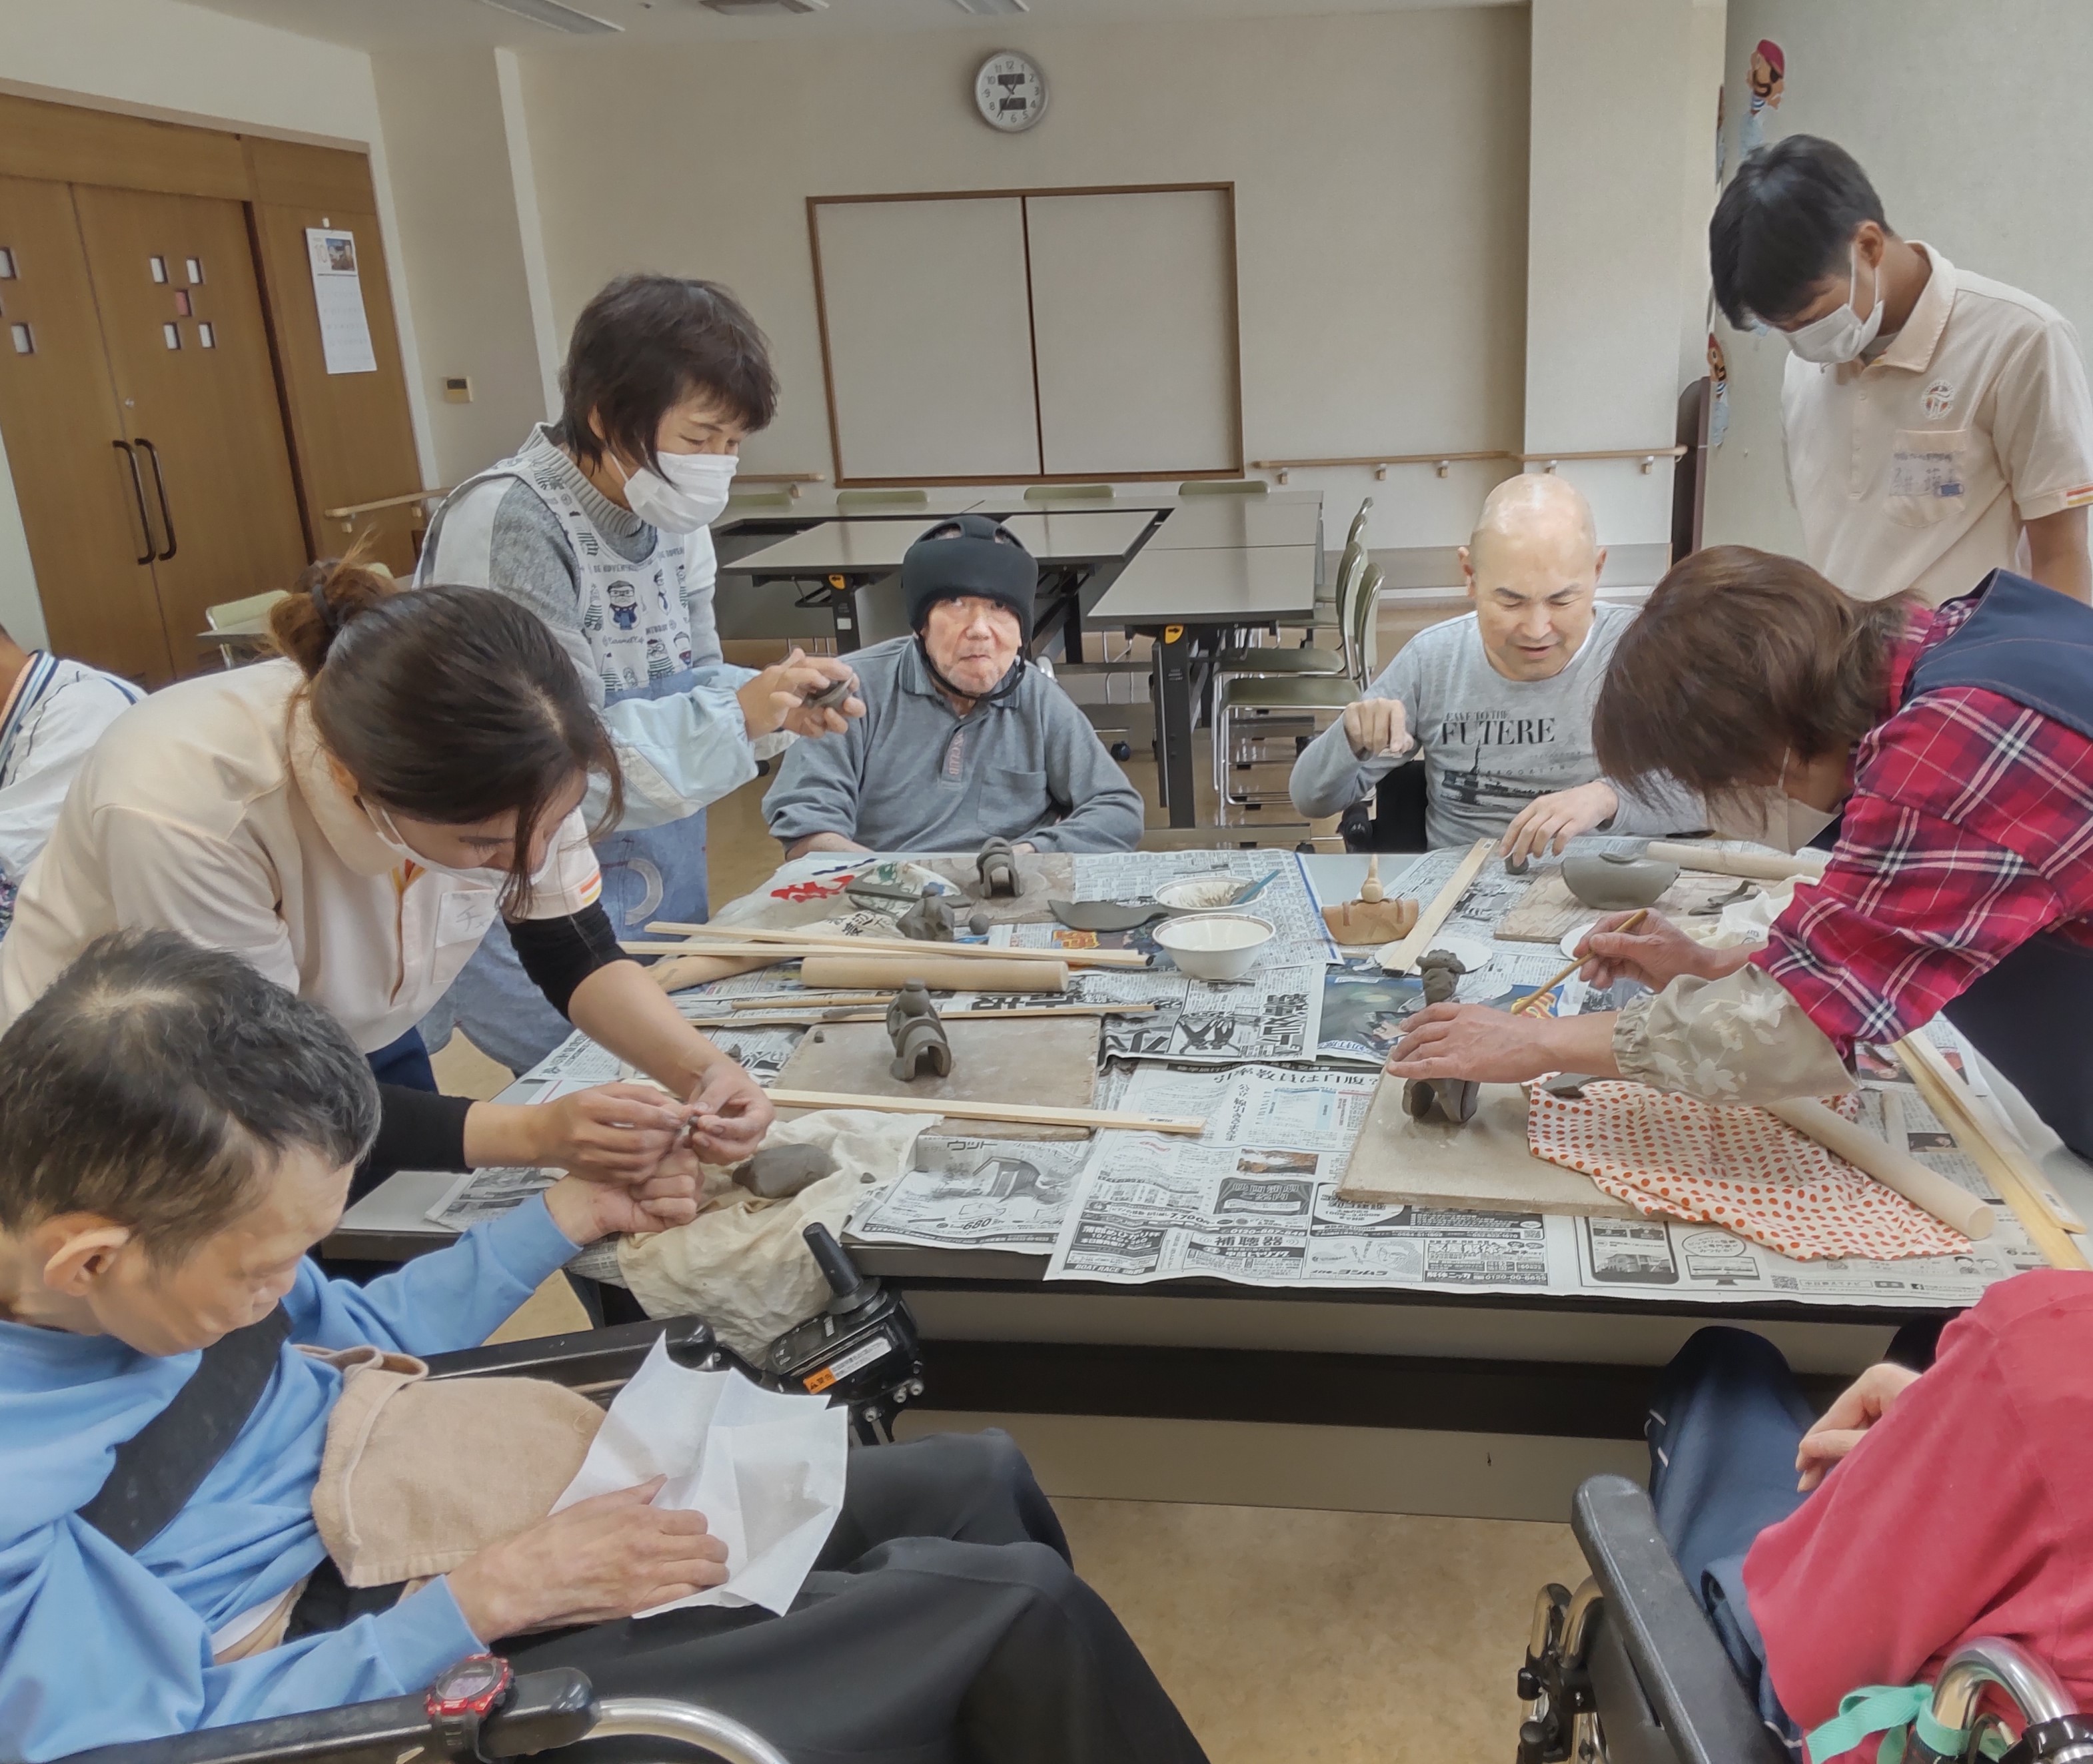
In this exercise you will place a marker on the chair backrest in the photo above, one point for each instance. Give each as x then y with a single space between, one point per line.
1358 534
1366 642
1069 493
749 501
227 615
882 498
1351 567
1224 486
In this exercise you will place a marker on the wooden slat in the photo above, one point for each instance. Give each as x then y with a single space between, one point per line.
1023 1112
836 940
71 144
1402 956
295 174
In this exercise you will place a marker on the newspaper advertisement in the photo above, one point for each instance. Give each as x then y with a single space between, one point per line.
1310 1109
977 1194
1148 1209
1275 1014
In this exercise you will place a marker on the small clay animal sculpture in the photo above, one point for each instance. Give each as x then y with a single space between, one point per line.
997 866
930 920
779 1172
918 1035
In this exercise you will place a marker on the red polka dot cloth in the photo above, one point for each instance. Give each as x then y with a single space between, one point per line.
1739 1168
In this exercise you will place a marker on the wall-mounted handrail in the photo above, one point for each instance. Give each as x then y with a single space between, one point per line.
1649 456
347 516
1380 462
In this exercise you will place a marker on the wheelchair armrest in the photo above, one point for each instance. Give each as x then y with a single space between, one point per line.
545 1710
585 1359
1686 1675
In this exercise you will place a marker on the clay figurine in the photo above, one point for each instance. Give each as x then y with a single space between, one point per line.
918 1036
1612 882
997 866
1441 970
930 920
1452 1099
779 1172
831 696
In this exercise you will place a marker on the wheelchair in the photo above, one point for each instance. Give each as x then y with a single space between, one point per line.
1627 1669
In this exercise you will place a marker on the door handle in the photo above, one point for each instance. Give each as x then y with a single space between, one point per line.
160 484
138 490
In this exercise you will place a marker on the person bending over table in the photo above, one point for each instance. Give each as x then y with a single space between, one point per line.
1954 747
353 817
962 739
52 712
1499 702
602 526
176 1133
1922 1510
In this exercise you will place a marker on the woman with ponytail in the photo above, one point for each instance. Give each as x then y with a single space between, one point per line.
353 817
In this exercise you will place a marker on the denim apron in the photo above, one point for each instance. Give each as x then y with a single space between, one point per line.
637 622
2034 645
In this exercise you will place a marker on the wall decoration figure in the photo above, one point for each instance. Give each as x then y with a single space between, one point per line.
1718 392
1767 77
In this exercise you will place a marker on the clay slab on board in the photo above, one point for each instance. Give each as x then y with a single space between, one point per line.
1048 1060
1483 1167
1547 912
1042 876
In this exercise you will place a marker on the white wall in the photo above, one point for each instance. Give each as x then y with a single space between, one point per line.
460 242
1380 164
1970 121
165 58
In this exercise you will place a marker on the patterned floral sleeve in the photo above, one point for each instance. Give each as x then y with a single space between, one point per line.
1742 1039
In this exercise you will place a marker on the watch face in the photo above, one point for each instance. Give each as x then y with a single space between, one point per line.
470 1679
1010 92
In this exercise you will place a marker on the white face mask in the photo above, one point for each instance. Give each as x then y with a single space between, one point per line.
1791 822
1842 334
388 835
688 493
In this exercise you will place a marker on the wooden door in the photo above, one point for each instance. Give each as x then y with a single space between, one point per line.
188 353
352 433
81 508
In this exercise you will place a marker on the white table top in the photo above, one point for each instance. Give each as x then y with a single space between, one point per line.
1207 523
1254 585
855 546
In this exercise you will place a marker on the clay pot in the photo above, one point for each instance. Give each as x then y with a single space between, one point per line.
1613 884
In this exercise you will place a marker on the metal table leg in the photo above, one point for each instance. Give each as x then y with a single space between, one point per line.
1173 723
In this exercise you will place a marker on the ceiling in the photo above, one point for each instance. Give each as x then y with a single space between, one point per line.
399 24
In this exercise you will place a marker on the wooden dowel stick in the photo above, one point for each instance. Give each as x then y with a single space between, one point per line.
1400 957
1542 991
1027 1114
843 1014
837 939
1953 1206
2005 1163
890 972
1757 866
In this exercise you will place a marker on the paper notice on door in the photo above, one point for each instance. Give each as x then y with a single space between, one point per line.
338 291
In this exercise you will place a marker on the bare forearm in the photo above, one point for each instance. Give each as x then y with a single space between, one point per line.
2057 554
504 1133
822 842
1582 1044
619 1008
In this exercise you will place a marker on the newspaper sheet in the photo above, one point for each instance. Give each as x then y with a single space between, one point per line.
1307 1108
977 1194
1288 901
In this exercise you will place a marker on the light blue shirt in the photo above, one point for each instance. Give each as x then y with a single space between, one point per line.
98 1646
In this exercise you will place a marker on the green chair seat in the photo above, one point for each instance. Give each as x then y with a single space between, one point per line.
1224 486
1313 692
1281 659
750 501
882 498
1069 493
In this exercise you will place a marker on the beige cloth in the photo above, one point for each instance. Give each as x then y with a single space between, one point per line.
1917 469
208 809
742 1263
1742 1039
416 1477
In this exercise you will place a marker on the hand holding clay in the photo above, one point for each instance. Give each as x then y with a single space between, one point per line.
1657 953
783 695
1374 726
1547 824
732 1115
1444 1041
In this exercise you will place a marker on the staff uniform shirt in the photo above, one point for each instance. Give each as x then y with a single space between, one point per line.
53 715
211 810
1917 469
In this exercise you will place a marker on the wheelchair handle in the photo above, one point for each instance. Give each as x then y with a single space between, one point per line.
2031 1687
655 1717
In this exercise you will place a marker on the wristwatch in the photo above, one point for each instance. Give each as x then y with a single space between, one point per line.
461 1698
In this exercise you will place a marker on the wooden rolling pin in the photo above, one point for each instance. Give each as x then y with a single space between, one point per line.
1755 866
940 973
1953 1206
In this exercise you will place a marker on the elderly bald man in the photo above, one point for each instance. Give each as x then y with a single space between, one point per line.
1500 701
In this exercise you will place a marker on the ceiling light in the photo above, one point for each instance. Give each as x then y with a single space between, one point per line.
742 9
554 16
994 8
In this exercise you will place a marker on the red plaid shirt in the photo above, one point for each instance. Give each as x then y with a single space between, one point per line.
1969 830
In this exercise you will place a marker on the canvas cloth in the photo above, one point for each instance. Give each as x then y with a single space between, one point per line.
1739 1168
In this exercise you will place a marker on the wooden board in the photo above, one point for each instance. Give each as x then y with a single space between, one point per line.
1547 912
1053 1063
1483 1167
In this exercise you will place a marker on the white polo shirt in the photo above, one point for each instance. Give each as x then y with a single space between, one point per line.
210 809
1918 469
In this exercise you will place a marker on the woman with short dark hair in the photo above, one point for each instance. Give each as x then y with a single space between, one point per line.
1953 746
600 526
351 817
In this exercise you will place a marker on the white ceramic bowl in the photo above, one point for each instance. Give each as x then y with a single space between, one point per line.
1200 894
1215 946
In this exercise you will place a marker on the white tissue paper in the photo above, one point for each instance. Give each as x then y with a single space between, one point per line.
765 1469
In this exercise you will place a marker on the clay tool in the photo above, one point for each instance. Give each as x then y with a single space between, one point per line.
1371 890
1028 1114
1759 866
830 939
1953 1206
1541 991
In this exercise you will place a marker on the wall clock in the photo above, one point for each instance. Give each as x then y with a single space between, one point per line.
1010 92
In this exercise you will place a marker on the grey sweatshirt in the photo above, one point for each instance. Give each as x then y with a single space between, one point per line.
912 775
1491 746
